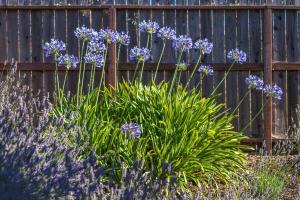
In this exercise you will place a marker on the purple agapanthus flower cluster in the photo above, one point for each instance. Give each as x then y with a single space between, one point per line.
182 43
166 33
139 54
54 47
123 38
94 59
132 128
273 91
206 70
237 56
68 60
254 82
108 35
148 26
85 33
204 46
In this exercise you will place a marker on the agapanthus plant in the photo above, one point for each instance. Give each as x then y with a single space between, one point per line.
133 129
273 91
148 26
54 47
204 46
237 56
140 55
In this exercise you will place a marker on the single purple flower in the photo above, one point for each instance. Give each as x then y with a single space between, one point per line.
182 43
148 26
132 128
123 38
254 82
139 54
68 60
206 69
273 91
237 56
54 47
204 46
95 59
166 33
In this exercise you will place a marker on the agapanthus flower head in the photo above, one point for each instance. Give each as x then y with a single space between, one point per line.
84 33
131 128
139 54
237 56
68 60
123 38
166 33
182 43
94 58
206 70
254 82
96 46
182 66
204 46
108 35
54 47
148 26
273 91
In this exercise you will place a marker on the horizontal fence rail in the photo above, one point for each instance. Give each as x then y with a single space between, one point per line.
269 34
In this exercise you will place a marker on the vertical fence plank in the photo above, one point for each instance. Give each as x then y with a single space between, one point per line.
255 56
268 77
3 41
12 35
112 72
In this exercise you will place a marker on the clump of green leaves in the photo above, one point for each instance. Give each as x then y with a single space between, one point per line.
182 134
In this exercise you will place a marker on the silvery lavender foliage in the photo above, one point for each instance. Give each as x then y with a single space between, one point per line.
182 43
166 33
139 54
148 26
206 70
68 60
204 46
254 82
54 47
132 128
273 91
237 56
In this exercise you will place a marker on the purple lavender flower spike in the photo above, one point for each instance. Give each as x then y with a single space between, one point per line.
132 128
204 46
95 59
237 56
166 33
206 69
139 54
68 60
273 91
108 35
182 42
54 47
254 82
123 39
148 26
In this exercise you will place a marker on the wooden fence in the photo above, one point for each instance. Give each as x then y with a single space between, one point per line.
269 34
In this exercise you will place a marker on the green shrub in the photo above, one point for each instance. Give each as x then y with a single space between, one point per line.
184 132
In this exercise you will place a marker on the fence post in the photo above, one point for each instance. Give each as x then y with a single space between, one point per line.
268 123
112 71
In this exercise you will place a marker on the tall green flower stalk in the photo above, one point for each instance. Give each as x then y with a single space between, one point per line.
241 101
160 57
117 63
143 63
56 79
80 71
194 70
223 79
257 114
176 71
